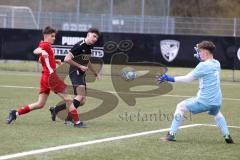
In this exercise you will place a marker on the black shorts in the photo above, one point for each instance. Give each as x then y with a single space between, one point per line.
77 79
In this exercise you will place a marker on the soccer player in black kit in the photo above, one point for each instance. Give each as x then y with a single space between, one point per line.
78 58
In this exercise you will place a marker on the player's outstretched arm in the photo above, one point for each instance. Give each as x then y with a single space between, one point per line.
164 77
187 78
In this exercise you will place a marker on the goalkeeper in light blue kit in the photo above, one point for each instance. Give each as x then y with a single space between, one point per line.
209 96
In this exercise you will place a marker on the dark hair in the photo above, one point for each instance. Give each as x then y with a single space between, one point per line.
94 30
208 45
49 30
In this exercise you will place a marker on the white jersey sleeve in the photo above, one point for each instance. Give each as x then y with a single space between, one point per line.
187 78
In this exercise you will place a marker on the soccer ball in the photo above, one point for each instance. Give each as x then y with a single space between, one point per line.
128 75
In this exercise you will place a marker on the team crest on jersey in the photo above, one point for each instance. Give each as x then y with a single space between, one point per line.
169 49
238 54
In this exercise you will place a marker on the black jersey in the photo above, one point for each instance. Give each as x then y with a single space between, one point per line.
81 52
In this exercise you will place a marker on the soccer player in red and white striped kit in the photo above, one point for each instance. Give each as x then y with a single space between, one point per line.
49 80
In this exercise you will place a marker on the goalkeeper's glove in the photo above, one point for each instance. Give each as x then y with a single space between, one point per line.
165 77
197 54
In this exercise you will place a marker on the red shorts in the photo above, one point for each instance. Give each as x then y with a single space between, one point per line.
51 82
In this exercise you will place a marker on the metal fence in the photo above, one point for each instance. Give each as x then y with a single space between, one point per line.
108 23
23 17
17 17
207 26
142 24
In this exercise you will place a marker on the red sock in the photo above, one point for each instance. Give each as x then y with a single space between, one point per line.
74 115
23 110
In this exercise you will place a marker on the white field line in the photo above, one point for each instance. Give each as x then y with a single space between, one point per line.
166 95
19 87
20 74
62 147
212 125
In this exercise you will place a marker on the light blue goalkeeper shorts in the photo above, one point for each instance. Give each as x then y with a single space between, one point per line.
196 107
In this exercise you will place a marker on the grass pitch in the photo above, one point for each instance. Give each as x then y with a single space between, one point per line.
36 130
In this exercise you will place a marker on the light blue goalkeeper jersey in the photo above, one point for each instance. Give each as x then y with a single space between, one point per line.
208 74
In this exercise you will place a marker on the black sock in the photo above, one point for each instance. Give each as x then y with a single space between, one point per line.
69 117
60 107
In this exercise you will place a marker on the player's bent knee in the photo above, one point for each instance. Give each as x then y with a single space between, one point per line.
218 115
181 108
76 103
80 98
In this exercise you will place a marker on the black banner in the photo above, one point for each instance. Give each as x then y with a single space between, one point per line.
170 50
19 44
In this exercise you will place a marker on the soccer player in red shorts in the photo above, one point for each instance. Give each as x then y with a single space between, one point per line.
49 79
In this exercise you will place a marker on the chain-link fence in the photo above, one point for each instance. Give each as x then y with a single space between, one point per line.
17 17
23 17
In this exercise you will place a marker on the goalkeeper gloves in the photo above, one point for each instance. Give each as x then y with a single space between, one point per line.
197 54
165 77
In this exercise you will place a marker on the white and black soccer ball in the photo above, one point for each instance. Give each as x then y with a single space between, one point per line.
128 75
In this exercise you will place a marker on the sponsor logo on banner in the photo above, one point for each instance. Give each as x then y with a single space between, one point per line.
61 50
169 49
67 44
97 52
71 40
238 54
